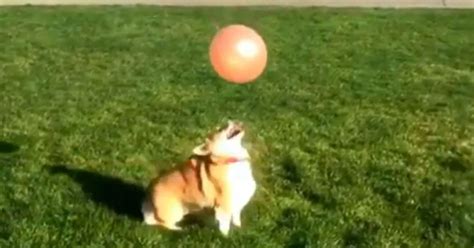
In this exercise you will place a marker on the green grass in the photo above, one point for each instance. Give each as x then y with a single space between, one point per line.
361 127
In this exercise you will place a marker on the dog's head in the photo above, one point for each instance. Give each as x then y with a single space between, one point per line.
225 142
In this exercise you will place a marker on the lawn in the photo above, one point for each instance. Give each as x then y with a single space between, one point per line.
361 128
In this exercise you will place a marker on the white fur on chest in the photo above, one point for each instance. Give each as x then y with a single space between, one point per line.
241 182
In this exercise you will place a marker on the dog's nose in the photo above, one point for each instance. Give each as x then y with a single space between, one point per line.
230 123
239 124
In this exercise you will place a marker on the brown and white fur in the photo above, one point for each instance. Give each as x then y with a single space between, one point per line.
217 175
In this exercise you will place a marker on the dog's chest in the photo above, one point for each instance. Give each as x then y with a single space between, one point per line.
240 179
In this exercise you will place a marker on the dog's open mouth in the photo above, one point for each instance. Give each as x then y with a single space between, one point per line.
234 131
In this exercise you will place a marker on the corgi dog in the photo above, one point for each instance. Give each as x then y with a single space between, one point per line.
217 175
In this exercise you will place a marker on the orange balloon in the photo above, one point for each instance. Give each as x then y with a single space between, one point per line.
238 54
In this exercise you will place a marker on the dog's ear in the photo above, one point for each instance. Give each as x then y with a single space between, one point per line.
201 150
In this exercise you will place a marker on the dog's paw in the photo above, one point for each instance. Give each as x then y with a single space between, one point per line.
224 231
173 227
236 222
224 227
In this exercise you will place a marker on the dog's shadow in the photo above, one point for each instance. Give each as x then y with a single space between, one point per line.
7 147
121 197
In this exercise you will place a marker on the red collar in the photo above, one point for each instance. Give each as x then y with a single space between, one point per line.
216 160
232 160
226 160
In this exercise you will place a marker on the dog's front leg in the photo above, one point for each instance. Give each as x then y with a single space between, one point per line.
236 218
223 217
223 211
